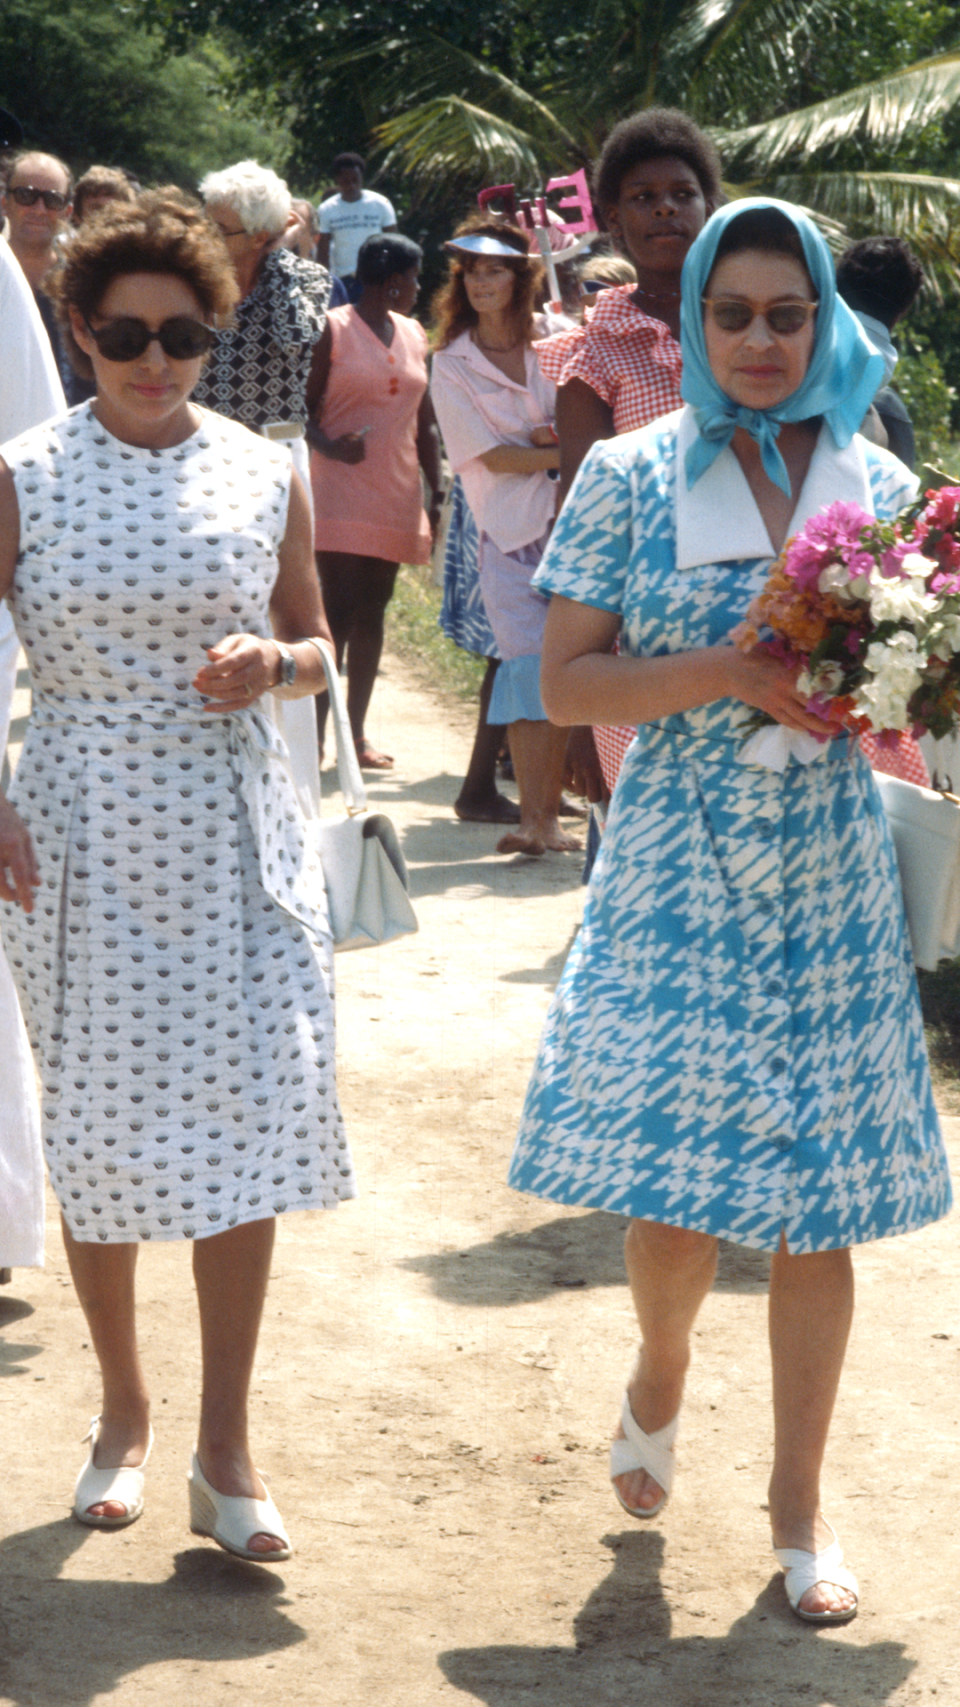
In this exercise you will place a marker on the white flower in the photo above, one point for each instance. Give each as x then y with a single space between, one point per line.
943 638
895 672
915 564
834 579
900 601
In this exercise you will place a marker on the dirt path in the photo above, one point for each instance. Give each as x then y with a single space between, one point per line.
438 1377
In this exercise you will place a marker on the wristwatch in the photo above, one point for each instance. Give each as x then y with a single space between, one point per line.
288 666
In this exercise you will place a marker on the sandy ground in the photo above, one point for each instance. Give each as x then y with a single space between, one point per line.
439 1373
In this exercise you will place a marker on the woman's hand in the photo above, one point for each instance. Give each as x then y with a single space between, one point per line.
19 876
544 436
770 685
241 668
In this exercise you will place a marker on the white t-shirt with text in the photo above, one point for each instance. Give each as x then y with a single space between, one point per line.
348 224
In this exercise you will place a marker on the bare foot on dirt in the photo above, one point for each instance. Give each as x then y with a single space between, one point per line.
494 809
521 842
534 837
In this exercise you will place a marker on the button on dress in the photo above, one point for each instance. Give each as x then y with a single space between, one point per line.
176 972
736 1044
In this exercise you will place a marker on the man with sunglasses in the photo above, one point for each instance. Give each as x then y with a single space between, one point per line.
36 203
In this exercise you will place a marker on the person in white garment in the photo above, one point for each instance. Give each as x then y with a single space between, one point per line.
30 392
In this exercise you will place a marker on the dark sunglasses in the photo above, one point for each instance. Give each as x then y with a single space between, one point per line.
26 196
180 338
783 318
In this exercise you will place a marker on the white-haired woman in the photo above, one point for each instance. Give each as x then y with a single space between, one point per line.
265 368
259 370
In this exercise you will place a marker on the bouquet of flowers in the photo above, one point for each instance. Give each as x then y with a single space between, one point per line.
871 613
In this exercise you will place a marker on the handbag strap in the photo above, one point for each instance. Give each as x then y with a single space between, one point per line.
348 768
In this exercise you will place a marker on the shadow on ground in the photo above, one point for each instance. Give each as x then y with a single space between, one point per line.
624 1654
571 1252
65 1642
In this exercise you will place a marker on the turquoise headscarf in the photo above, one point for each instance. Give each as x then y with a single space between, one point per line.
839 384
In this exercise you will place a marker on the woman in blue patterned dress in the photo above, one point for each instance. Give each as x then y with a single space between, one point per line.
743 946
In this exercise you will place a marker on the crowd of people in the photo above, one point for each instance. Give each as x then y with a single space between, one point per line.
735 1050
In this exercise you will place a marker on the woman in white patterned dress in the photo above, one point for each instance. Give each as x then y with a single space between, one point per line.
735 1049
165 926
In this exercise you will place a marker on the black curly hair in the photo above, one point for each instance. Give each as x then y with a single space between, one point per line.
649 135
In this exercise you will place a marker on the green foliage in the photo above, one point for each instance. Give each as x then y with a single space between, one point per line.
413 630
920 381
91 84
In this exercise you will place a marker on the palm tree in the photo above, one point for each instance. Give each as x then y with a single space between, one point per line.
458 117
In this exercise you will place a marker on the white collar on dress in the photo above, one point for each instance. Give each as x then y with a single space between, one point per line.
719 520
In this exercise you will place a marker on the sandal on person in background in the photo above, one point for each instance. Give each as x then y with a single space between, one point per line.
803 1570
370 760
119 1485
232 1520
639 1451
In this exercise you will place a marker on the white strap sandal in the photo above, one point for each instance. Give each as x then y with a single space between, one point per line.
639 1451
232 1520
803 1571
122 1484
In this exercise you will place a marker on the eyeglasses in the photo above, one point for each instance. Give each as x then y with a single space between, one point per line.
26 196
180 338
733 314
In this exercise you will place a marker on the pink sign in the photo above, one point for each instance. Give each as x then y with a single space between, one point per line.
580 200
497 192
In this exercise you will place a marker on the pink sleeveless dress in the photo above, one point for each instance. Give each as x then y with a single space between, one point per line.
373 508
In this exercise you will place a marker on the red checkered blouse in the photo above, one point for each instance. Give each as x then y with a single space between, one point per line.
629 359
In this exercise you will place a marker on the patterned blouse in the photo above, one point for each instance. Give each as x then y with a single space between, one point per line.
259 367
629 359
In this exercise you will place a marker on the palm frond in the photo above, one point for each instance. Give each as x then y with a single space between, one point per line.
448 110
881 112
922 209
449 140
710 25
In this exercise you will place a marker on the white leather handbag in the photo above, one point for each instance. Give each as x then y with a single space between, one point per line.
363 867
925 825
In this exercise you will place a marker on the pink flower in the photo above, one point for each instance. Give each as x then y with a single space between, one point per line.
941 510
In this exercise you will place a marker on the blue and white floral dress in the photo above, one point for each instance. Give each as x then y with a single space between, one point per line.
736 1043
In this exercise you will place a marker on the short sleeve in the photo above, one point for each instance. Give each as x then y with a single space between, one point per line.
891 484
589 551
325 211
465 433
389 217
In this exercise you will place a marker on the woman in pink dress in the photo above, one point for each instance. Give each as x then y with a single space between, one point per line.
372 430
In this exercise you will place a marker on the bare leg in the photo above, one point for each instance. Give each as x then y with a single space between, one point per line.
103 1276
479 800
538 750
231 1271
811 1309
670 1271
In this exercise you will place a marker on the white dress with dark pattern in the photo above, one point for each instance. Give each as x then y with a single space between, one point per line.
736 1044
176 972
